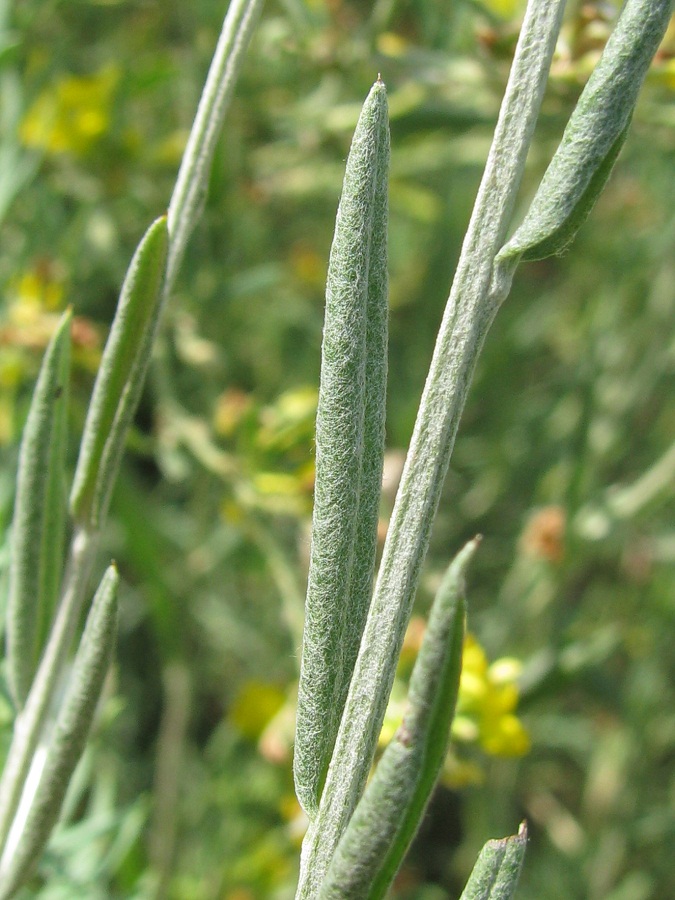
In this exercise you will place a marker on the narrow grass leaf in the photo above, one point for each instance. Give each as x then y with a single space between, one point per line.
120 379
497 870
594 135
349 448
36 560
67 741
391 809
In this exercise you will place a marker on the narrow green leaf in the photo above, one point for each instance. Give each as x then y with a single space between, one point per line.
391 809
495 875
374 414
65 744
39 517
349 448
594 135
120 379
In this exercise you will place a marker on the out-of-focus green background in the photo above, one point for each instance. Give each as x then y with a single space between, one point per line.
565 460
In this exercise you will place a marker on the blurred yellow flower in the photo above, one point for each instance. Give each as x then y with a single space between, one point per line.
34 299
505 9
255 704
487 701
231 408
232 512
72 114
38 287
391 44
169 150
307 264
459 773
663 73
6 420
504 735
289 421
282 493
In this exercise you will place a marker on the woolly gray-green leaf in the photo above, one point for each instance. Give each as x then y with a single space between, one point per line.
594 135
391 809
469 313
39 517
495 875
349 448
66 743
120 378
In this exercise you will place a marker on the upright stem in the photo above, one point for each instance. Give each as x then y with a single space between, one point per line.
189 193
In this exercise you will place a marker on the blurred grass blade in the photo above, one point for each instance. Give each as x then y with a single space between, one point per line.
33 824
36 560
120 379
391 809
349 449
495 875
594 135
188 196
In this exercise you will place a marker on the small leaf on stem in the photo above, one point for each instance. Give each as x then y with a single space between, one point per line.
497 870
594 135
120 379
39 517
349 449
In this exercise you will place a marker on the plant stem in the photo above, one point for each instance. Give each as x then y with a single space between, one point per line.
189 193
171 743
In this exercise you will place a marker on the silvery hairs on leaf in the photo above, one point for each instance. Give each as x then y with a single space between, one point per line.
497 870
391 809
349 448
594 135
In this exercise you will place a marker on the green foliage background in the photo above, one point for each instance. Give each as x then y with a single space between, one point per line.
571 405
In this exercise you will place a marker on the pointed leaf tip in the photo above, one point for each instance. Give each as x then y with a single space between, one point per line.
349 449
594 135
121 377
497 870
